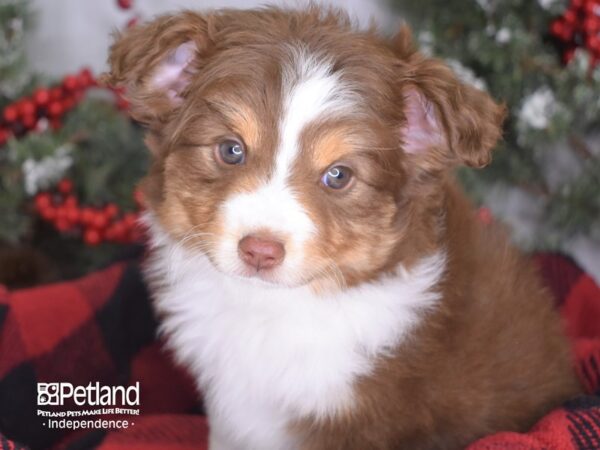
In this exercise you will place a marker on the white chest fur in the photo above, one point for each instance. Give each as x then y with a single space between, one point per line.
264 356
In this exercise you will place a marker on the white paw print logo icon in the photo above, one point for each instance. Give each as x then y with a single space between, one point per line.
47 394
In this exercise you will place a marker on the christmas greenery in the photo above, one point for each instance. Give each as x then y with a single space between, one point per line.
69 161
15 19
100 151
543 66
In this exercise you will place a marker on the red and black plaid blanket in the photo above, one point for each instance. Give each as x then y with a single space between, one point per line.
101 329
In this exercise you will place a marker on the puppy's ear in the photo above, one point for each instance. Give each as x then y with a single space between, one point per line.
446 122
155 62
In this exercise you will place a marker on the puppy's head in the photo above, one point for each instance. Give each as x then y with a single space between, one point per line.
290 147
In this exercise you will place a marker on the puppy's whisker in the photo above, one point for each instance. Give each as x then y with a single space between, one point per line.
204 247
329 271
180 244
341 280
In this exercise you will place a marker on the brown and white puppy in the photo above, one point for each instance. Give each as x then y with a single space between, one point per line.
313 262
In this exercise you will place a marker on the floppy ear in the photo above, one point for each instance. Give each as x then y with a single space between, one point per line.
446 122
154 62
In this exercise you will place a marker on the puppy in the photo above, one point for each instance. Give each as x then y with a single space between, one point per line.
313 262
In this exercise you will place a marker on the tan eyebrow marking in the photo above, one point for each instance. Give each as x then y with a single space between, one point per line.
241 118
247 126
328 145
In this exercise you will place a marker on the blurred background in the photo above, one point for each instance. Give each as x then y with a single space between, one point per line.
70 157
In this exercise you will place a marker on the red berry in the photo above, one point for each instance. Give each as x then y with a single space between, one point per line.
48 213
125 4
570 16
73 214
10 113
43 200
576 4
92 236
62 224
56 93
556 27
567 33
55 109
119 230
29 122
41 96
4 135
87 216
65 186
61 213
593 43
132 22
26 108
71 200
591 25
590 7
70 82
100 220
86 78
111 210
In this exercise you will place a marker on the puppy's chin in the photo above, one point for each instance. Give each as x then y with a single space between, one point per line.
262 280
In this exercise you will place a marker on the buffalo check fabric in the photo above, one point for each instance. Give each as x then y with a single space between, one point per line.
97 329
101 328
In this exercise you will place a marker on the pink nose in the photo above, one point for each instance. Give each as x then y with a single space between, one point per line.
261 253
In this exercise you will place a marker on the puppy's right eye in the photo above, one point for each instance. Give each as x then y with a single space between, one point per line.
231 152
337 177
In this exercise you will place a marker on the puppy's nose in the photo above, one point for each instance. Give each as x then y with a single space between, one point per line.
261 253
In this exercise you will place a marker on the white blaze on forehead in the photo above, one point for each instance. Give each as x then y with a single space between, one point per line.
310 91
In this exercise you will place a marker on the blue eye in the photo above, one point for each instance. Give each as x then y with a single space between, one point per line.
232 152
337 177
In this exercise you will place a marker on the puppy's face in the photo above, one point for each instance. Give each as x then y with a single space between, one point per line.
292 149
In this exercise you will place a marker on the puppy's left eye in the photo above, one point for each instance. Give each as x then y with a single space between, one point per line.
231 151
337 177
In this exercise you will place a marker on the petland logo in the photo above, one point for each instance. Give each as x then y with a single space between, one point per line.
94 401
94 394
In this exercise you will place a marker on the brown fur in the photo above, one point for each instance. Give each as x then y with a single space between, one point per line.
492 356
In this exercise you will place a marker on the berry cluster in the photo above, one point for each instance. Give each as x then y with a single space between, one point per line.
45 107
95 224
127 5
579 26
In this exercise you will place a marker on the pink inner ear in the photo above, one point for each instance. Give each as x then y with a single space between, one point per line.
421 131
173 74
